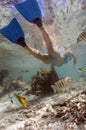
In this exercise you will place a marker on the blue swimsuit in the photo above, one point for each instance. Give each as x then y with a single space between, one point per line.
53 59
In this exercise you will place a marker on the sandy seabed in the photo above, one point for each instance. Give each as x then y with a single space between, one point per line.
61 111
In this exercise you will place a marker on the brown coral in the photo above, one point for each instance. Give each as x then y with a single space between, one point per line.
42 81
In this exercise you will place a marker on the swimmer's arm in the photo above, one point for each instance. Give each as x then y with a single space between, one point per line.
72 56
36 53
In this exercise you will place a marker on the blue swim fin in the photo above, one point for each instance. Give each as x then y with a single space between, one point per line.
13 31
30 10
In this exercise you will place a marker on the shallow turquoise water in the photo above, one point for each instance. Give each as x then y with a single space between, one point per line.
19 63
23 64
72 70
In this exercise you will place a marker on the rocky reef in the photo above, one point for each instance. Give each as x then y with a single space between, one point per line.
63 111
8 87
3 73
42 81
59 111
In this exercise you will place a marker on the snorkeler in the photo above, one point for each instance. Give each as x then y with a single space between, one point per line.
30 10
14 33
53 57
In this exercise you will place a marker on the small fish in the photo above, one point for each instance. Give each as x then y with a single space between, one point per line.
61 85
19 100
81 69
82 37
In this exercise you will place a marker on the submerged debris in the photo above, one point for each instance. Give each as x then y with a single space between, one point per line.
42 81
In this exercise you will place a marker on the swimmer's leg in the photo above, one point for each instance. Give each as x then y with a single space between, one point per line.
46 38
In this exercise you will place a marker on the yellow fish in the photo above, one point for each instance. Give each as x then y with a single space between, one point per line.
81 69
19 100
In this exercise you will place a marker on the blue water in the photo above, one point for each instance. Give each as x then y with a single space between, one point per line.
65 70
72 70
20 63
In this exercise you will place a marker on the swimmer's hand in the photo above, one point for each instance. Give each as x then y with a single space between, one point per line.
38 22
71 55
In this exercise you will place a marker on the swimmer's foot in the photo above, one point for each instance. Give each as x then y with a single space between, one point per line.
21 42
38 22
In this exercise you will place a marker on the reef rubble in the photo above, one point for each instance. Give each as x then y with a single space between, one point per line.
60 111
